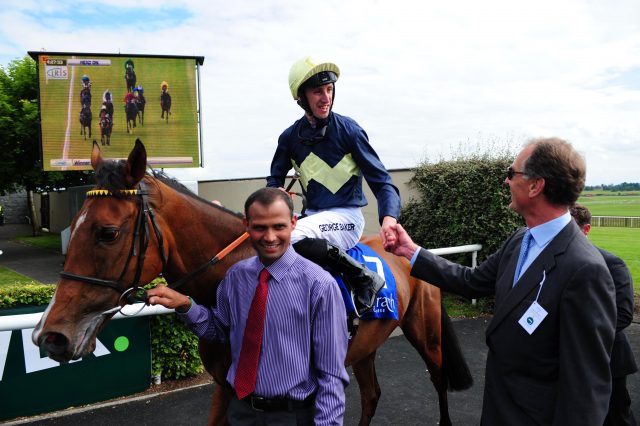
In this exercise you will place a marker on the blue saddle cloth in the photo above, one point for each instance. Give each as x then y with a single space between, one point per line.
387 300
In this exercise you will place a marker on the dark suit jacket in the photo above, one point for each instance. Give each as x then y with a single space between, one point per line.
560 374
622 360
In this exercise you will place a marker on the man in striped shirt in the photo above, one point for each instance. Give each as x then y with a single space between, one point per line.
300 374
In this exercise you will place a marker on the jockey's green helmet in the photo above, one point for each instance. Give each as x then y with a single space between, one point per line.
307 72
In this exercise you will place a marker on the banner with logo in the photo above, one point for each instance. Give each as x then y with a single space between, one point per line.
31 383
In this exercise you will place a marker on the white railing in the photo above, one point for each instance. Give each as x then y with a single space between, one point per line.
23 321
616 221
473 248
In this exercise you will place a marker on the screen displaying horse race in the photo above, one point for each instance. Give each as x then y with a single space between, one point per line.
115 99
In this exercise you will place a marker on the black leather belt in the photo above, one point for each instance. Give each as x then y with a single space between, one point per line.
259 403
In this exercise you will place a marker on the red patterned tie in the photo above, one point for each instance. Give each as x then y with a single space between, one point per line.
247 370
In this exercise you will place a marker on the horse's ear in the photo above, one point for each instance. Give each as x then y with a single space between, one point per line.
136 164
96 156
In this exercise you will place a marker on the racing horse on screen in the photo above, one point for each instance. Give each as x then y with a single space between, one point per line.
85 120
165 100
135 225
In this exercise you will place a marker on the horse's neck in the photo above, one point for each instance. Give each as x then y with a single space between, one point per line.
197 233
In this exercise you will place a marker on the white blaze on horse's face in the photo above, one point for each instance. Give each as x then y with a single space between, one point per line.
79 222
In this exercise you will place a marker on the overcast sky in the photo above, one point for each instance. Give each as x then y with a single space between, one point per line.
421 77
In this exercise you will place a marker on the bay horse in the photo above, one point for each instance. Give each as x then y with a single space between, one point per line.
106 126
135 225
85 120
140 103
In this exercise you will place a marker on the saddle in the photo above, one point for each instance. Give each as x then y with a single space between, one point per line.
387 300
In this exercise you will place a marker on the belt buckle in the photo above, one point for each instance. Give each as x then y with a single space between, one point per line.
256 398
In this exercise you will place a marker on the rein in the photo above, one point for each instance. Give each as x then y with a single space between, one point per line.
138 249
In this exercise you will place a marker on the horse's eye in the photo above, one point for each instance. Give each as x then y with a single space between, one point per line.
107 235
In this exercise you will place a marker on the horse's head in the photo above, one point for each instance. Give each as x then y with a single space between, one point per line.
105 257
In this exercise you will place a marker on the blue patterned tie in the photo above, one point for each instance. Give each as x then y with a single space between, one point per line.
524 250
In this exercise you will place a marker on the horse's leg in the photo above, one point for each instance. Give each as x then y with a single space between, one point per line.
365 372
361 354
421 325
216 359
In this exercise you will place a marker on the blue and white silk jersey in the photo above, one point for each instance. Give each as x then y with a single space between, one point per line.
331 168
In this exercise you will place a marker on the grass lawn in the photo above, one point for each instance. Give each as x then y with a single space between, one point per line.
624 243
611 205
10 277
46 241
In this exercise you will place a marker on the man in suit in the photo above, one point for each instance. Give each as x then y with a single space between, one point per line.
622 361
554 322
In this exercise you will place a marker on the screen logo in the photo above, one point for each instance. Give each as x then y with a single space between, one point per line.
56 72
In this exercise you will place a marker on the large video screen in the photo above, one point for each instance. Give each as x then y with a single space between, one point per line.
115 99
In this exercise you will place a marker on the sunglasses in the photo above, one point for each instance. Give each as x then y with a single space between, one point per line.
511 173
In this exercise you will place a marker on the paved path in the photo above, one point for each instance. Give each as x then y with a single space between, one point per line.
39 264
408 398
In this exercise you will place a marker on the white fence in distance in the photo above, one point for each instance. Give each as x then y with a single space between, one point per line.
616 221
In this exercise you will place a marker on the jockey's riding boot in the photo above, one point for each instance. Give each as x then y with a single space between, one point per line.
364 283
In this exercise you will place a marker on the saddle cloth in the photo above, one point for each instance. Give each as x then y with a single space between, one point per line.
387 300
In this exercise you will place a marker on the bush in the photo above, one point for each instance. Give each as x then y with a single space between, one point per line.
462 201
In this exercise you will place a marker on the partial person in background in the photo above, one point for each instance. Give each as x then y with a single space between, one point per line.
552 331
623 362
332 154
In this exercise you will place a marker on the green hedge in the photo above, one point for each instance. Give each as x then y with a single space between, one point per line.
462 201
174 349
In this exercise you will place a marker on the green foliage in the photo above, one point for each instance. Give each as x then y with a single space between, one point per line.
19 134
12 296
624 186
462 201
174 348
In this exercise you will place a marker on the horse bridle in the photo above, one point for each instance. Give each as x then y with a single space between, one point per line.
139 246
141 236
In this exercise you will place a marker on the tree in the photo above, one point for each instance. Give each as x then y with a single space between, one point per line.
20 161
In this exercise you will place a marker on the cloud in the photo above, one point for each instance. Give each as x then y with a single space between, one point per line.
420 77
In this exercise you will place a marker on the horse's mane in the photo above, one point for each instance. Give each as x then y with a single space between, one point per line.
110 176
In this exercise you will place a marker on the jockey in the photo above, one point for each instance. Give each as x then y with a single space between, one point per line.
164 86
106 96
332 154
128 64
86 83
129 97
139 92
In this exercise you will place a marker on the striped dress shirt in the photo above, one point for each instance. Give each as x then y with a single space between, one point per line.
305 338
